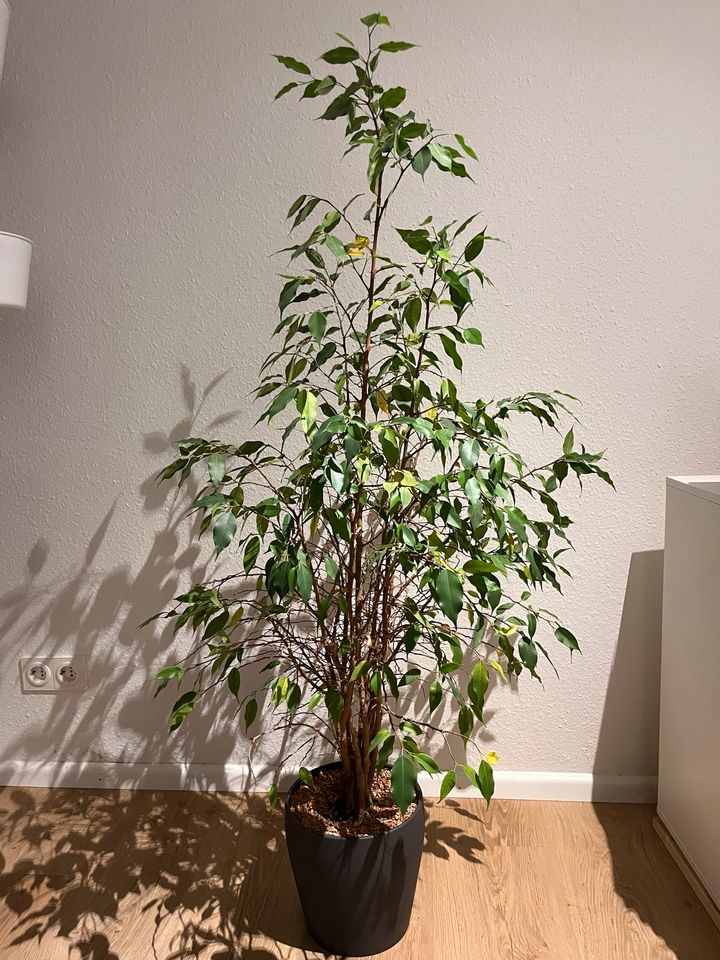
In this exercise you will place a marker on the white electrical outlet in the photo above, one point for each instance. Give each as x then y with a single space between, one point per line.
35 674
53 675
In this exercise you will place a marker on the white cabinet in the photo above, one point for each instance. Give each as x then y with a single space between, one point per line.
689 762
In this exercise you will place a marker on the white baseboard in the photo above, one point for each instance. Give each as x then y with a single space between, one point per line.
238 778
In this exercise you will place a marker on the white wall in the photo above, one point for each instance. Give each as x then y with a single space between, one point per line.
139 148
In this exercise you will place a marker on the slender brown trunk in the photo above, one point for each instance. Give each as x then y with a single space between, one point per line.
354 742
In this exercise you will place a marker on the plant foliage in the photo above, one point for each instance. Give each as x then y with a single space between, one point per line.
392 542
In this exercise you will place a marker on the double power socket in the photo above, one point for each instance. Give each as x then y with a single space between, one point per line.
53 674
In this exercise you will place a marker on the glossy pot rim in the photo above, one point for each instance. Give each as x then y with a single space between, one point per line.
419 807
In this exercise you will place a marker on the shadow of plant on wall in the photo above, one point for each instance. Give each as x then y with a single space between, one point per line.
88 611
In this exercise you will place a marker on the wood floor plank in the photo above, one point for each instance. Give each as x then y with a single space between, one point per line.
117 875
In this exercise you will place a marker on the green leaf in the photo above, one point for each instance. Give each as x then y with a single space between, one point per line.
375 19
250 446
422 160
466 146
478 685
233 681
451 350
474 247
402 780
304 582
448 592
286 395
473 490
251 709
566 638
410 676
286 89
384 753
340 55
330 220
318 88
486 780
391 681
292 64
252 549
469 454
294 698
287 294
426 762
473 335
335 703
412 312
466 722
335 246
528 653
223 531
360 668
396 46
273 796
392 98
435 695
441 155
305 211
216 625
307 409
339 107
569 442
380 738
335 473
448 782
317 324
418 240
181 708
459 286
471 775
296 204
169 673
216 468
517 520
339 523
306 777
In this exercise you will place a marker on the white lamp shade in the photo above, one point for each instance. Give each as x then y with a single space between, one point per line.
4 20
15 253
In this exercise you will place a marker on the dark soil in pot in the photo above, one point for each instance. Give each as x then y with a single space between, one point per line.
356 890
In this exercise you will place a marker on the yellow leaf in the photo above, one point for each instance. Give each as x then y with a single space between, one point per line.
404 477
430 413
492 757
354 251
382 401
360 242
498 666
236 618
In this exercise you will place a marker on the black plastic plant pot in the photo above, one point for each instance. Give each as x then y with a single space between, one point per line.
356 892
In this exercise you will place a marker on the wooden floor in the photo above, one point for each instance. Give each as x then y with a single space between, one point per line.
166 876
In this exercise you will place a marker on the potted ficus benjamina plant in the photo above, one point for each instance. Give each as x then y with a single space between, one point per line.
390 541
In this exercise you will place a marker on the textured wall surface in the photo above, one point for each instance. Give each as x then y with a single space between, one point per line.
140 150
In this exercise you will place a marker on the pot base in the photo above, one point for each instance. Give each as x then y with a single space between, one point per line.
356 892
